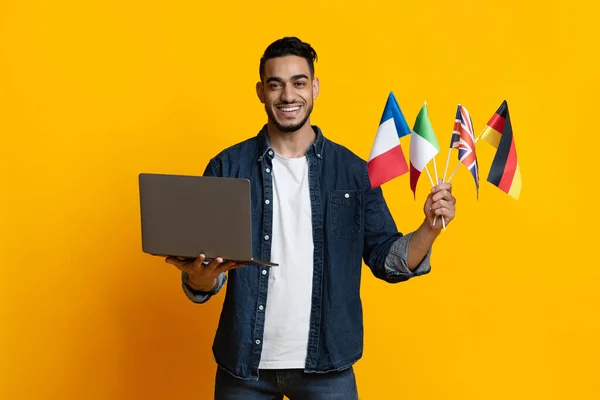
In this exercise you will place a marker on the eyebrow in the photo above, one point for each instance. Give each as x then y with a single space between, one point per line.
294 78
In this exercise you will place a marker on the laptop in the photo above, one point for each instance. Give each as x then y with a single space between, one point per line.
185 216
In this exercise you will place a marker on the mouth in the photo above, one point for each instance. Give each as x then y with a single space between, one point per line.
289 110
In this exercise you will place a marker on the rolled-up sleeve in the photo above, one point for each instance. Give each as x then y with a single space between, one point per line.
396 261
198 296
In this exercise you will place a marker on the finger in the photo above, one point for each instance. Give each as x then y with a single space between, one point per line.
198 261
440 204
440 211
175 261
444 194
234 266
224 267
441 186
440 196
444 212
214 263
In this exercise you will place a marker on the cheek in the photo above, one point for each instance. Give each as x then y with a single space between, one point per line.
308 95
270 99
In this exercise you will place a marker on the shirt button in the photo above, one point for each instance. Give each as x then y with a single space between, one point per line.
257 341
347 195
261 307
264 271
268 170
267 201
270 152
266 237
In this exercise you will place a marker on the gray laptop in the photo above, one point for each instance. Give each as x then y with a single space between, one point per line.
185 216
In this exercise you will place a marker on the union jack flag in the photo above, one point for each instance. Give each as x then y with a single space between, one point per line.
463 139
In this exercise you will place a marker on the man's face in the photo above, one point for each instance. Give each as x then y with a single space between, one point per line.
287 92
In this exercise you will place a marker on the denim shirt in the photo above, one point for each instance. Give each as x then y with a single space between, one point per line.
351 223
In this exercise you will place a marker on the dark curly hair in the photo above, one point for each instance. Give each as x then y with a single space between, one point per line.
289 46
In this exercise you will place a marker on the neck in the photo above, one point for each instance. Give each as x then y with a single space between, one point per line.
291 144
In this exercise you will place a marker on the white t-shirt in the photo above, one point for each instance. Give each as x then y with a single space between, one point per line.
287 318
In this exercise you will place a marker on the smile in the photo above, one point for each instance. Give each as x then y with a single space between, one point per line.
290 109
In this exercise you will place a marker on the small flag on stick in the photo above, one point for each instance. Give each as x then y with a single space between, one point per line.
387 160
423 147
504 172
463 139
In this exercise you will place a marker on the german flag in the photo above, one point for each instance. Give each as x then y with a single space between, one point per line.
505 172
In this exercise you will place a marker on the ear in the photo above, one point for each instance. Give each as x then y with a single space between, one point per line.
260 92
316 85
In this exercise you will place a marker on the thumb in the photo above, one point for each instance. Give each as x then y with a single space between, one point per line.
171 260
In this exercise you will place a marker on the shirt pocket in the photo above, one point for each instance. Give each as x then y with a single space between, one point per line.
345 212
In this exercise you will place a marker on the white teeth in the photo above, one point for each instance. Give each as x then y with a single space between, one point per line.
290 109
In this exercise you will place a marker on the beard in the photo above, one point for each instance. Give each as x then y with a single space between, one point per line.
289 128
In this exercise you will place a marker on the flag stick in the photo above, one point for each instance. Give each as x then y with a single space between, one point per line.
477 138
447 164
429 175
432 185
453 172
436 180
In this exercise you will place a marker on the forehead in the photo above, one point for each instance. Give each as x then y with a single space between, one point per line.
286 67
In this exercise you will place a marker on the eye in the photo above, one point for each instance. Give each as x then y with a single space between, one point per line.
300 84
274 85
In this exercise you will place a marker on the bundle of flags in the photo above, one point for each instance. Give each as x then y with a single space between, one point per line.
387 160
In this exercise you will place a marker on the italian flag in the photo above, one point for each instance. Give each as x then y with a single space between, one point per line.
423 147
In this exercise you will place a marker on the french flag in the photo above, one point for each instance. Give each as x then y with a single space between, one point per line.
387 160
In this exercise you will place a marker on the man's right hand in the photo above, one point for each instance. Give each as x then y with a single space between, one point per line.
200 276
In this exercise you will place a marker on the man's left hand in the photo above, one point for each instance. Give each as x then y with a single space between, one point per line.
441 204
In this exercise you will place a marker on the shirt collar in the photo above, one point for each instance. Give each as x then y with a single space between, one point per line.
264 148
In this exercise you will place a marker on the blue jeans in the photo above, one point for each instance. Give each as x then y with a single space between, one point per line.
293 383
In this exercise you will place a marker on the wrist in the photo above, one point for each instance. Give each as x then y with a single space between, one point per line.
430 231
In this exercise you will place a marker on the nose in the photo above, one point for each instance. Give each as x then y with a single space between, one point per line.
287 94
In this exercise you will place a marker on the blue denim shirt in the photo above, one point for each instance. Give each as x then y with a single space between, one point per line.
351 223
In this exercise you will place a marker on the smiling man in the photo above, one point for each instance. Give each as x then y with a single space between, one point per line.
297 329
288 93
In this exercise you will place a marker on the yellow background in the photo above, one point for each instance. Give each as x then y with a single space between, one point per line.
94 92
